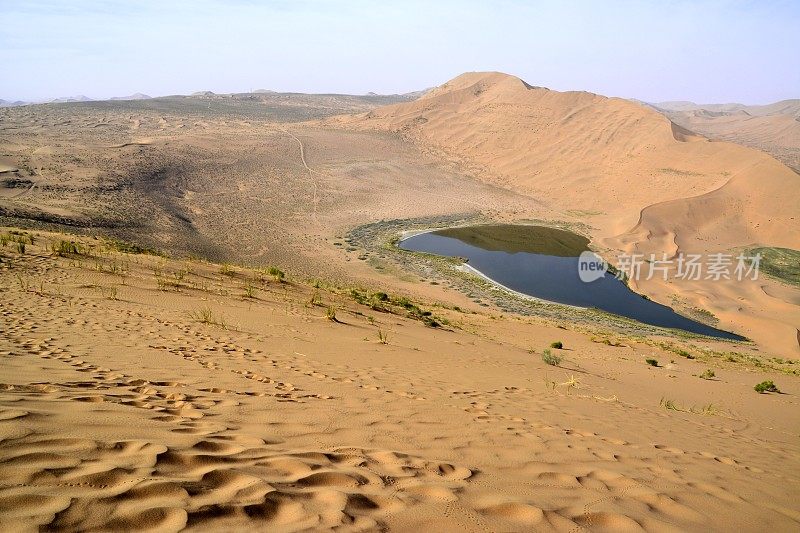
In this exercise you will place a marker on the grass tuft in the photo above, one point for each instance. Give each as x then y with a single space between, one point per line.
330 314
550 358
204 315
707 374
383 337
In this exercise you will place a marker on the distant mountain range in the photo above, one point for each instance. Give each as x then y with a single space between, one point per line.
200 94
134 96
70 99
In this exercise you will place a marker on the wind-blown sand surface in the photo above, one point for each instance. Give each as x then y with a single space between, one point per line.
773 128
123 406
138 391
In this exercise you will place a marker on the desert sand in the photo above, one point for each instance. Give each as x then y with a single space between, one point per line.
158 375
149 393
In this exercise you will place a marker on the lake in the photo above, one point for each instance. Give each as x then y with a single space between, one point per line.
543 262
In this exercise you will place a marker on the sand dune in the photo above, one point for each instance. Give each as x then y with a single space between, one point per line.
650 185
576 150
773 128
124 407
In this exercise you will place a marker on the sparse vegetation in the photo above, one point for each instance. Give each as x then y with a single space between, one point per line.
250 291
130 248
277 274
386 303
779 263
315 299
707 374
670 404
24 283
383 337
64 248
168 284
205 315
709 409
558 345
766 386
550 358
652 362
330 313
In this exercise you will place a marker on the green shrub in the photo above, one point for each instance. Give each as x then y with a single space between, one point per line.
550 358
250 291
130 248
766 386
276 273
652 362
557 345
707 374
430 322
65 248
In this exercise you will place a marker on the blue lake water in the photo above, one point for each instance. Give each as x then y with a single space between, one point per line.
555 278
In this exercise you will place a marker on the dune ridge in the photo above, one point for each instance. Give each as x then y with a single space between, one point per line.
580 150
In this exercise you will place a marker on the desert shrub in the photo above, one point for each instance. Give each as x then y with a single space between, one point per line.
557 345
430 322
130 248
651 362
707 374
21 247
550 358
276 273
250 291
766 386
315 299
330 313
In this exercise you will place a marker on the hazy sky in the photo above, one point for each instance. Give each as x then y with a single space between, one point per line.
713 51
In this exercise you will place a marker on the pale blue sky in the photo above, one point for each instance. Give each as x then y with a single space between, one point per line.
712 51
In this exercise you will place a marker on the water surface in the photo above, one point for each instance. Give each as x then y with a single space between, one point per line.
543 262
